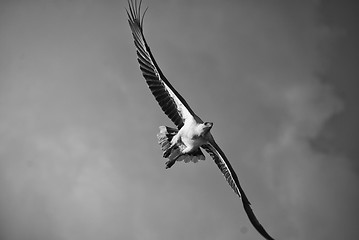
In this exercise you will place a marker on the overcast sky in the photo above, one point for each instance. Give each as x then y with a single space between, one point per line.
79 158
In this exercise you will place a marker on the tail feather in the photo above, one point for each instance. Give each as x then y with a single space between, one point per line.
164 138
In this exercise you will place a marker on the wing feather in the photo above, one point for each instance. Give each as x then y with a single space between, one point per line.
170 101
223 164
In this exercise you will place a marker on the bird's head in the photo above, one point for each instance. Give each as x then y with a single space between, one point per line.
206 126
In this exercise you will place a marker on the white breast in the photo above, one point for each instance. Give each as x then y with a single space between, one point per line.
190 136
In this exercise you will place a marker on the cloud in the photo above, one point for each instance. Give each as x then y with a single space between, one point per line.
78 153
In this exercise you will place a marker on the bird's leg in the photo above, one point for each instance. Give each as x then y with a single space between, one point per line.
172 161
167 152
173 146
177 145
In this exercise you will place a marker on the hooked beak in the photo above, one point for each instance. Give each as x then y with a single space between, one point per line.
209 124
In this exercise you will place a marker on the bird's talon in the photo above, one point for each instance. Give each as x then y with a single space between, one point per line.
170 163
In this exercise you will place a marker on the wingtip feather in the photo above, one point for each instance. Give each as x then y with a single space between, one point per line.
222 162
134 13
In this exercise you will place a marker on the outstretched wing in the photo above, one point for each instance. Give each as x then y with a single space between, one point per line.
223 164
171 102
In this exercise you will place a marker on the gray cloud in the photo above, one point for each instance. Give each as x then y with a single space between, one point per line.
78 153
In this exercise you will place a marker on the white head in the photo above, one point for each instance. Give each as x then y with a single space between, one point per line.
205 128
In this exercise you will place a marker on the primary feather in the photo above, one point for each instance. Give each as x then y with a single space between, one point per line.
171 102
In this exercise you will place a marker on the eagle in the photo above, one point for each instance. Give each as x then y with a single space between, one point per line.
185 142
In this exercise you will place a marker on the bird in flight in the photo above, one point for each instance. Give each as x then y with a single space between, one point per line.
185 142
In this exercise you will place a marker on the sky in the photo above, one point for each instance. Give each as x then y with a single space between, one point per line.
79 157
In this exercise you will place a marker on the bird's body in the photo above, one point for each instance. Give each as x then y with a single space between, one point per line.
192 134
190 137
185 143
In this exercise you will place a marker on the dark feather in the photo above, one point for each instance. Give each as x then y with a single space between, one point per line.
157 82
229 174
